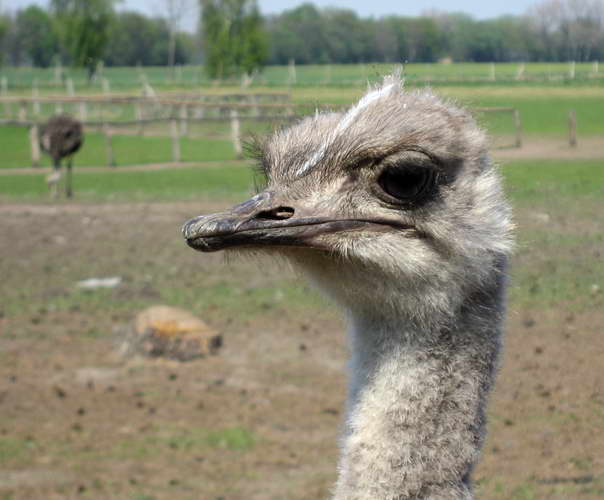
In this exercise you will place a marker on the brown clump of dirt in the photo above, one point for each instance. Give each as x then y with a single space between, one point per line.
172 333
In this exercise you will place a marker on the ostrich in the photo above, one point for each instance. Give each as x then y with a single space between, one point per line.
393 209
61 137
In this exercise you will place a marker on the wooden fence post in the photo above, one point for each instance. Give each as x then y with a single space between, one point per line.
175 141
4 93
254 102
518 128
109 145
22 111
59 107
34 140
292 77
139 117
70 87
572 70
184 117
35 93
83 111
236 133
572 128
58 74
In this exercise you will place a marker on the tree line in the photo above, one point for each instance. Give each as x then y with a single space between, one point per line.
86 32
233 37
553 30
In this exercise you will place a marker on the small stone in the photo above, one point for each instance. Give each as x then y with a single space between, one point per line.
95 283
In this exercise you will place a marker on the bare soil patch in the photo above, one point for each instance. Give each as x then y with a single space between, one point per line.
552 148
259 420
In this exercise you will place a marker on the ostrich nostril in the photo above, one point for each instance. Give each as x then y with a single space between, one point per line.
278 213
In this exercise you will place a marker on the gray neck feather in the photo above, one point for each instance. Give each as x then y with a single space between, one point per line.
417 398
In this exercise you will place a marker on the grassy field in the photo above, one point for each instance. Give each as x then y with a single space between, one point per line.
543 110
308 75
128 149
167 184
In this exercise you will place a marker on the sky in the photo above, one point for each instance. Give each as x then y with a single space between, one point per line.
480 9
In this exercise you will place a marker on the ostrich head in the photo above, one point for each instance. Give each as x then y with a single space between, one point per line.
393 205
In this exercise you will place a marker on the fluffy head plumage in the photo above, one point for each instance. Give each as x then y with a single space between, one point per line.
333 163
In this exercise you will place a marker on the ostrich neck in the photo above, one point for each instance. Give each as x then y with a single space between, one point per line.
416 404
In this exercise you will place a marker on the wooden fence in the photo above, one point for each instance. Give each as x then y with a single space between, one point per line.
234 114
177 126
25 108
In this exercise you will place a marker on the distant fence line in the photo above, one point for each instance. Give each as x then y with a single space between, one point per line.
289 77
178 126
143 105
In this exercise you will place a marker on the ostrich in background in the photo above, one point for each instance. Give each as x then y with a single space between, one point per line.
395 210
61 137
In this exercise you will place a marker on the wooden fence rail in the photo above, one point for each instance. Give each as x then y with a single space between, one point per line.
178 125
108 129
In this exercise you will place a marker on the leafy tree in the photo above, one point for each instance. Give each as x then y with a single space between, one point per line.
233 37
84 27
299 34
136 39
5 23
35 36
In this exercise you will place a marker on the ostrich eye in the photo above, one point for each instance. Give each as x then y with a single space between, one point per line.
406 183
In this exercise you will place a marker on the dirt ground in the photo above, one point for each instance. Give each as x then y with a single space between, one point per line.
260 420
549 148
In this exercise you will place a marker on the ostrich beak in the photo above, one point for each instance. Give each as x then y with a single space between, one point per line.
261 221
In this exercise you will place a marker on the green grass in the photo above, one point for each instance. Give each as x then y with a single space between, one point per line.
121 78
556 260
541 181
128 150
244 301
543 110
15 450
230 182
191 440
543 114
533 181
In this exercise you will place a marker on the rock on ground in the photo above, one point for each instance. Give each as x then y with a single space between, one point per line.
172 333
